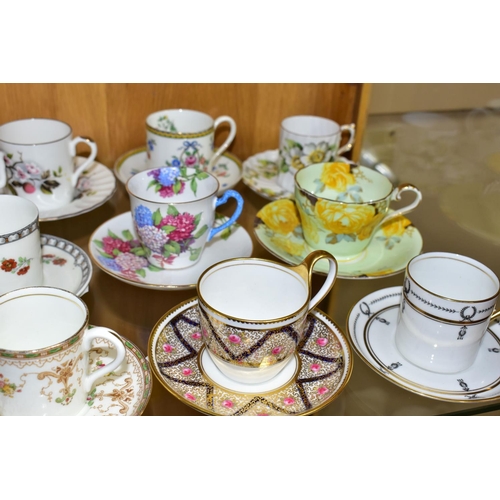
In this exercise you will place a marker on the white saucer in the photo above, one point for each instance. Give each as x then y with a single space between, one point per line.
96 186
260 174
371 326
65 265
316 376
387 254
124 392
227 169
232 242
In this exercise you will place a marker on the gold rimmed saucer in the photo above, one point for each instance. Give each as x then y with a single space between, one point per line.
321 371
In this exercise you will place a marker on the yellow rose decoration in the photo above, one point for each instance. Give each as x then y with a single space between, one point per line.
343 218
396 227
337 176
287 245
280 216
309 226
367 231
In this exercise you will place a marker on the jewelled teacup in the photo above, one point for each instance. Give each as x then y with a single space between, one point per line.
44 344
342 205
173 211
253 313
447 304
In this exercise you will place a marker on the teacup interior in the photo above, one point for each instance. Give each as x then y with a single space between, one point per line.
37 318
185 121
147 185
34 131
315 126
454 277
21 213
253 290
342 182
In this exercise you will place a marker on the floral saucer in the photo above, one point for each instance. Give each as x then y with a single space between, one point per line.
278 229
371 325
111 243
95 187
65 265
227 169
124 392
317 375
260 174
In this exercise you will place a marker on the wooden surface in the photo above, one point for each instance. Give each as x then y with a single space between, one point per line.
114 115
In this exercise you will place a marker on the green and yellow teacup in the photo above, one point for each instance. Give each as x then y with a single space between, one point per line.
342 205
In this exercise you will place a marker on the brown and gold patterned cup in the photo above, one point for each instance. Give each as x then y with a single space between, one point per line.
253 313
44 344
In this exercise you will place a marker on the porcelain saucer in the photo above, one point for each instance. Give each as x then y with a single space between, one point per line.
124 392
65 265
95 187
260 174
227 169
392 246
232 242
317 375
371 326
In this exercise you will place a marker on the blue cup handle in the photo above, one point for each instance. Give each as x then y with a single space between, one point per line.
230 193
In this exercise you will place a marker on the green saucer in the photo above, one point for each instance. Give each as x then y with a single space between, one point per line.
391 248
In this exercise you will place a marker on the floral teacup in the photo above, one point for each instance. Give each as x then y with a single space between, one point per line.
305 140
342 205
173 210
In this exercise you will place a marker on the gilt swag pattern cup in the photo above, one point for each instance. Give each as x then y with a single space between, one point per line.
341 206
173 211
20 246
253 313
447 304
44 344
37 160
185 138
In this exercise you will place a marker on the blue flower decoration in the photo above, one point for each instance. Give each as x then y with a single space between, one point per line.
151 143
176 162
143 216
109 263
168 175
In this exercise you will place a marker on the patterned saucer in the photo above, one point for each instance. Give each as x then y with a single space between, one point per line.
278 229
124 392
95 187
65 265
371 326
316 377
129 268
227 169
260 174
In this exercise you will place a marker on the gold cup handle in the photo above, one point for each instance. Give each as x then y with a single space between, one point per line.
396 195
495 315
305 269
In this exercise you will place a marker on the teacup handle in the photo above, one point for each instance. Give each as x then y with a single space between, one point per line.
351 128
239 207
72 151
396 195
305 269
227 142
103 333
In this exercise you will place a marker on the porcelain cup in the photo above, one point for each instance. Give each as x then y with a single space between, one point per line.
173 209
447 304
37 160
45 339
341 206
305 140
253 313
20 245
185 138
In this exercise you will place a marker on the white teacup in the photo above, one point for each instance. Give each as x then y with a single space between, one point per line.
305 140
173 210
20 246
446 307
44 343
253 313
185 138
37 160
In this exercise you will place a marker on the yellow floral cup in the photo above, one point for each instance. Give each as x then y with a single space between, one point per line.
342 205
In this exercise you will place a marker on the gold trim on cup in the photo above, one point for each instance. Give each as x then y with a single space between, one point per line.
179 135
37 143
